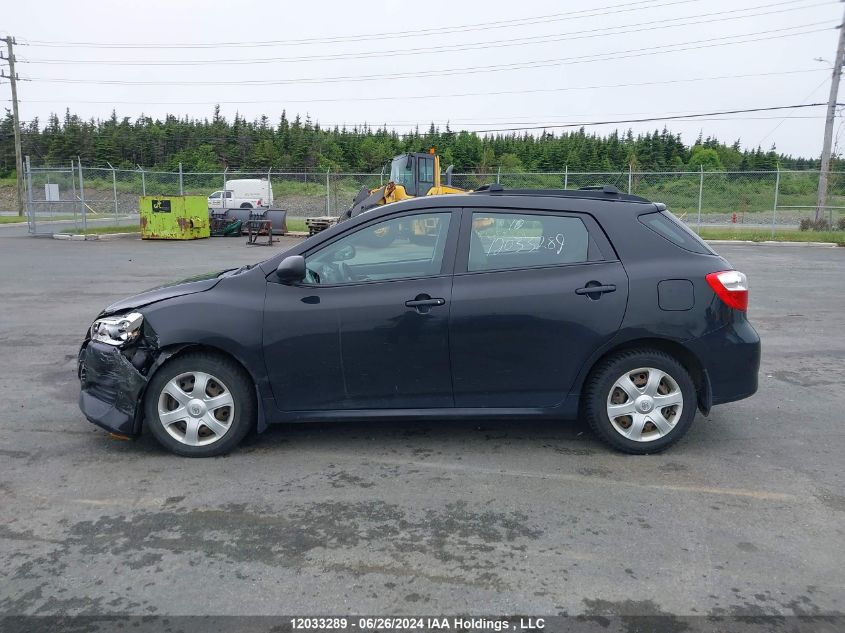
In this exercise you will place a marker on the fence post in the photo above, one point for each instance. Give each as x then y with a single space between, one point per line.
566 176
181 188
143 181
381 177
49 204
700 194
630 177
223 193
73 185
328 205
82 195
114 187
775 206
499 175
269 189
30 211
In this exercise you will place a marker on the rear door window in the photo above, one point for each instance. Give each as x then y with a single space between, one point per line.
673 229
501 241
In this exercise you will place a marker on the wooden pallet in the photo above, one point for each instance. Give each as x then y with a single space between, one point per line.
315 225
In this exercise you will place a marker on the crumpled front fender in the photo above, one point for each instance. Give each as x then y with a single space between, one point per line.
113 381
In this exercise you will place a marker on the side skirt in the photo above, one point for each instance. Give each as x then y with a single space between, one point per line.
567 410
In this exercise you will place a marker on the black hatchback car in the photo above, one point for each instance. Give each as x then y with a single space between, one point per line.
495 304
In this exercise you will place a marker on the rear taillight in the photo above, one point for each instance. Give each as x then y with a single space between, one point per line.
731 286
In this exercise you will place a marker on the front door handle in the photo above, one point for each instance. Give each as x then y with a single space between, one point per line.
594 290
423 303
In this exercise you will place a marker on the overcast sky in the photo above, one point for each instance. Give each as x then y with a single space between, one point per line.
386 62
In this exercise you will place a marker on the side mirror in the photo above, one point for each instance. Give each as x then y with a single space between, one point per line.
291 269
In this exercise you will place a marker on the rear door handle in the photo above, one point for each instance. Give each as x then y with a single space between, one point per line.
423 303
594 289
416 303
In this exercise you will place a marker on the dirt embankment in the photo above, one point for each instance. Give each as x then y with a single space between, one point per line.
102 201
7 198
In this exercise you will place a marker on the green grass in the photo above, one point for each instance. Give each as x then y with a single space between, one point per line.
762 235
295 224
12 219
99 230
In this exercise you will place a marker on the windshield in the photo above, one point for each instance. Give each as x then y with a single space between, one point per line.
402 173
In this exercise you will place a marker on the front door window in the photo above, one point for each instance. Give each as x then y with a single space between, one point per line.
400 248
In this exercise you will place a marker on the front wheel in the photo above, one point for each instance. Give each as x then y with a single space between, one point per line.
640 401
200 404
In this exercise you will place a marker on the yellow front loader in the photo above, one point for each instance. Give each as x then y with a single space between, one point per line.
411 176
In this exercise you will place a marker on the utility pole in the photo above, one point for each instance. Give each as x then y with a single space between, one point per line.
13 79
821 200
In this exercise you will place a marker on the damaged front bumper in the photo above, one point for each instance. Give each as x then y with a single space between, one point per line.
113 380
111 386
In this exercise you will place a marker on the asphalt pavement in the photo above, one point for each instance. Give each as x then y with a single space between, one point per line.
744 516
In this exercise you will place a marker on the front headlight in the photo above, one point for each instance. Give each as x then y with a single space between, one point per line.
117 330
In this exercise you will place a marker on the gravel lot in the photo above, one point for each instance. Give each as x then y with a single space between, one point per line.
744 517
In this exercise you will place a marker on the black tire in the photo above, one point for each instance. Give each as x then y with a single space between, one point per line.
236 381
246 205
598 393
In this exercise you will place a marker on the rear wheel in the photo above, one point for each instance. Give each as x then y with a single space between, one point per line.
640 401
246 205
200 404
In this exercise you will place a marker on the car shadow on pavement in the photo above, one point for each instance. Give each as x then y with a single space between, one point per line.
571 437
567 436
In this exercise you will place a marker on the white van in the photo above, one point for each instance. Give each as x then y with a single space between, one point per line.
246 193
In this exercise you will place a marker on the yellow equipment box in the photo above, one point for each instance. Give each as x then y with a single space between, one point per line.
174 217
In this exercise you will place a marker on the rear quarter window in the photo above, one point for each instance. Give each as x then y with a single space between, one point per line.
669 227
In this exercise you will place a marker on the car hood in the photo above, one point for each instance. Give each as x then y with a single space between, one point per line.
191 285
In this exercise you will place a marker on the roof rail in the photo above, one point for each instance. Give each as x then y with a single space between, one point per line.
603 188
607 192
493 186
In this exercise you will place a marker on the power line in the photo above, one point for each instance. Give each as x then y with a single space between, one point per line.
696 116
611 56
613 9
810 94
522 41
392 97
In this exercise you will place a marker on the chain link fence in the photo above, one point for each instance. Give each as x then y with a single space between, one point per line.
71 197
